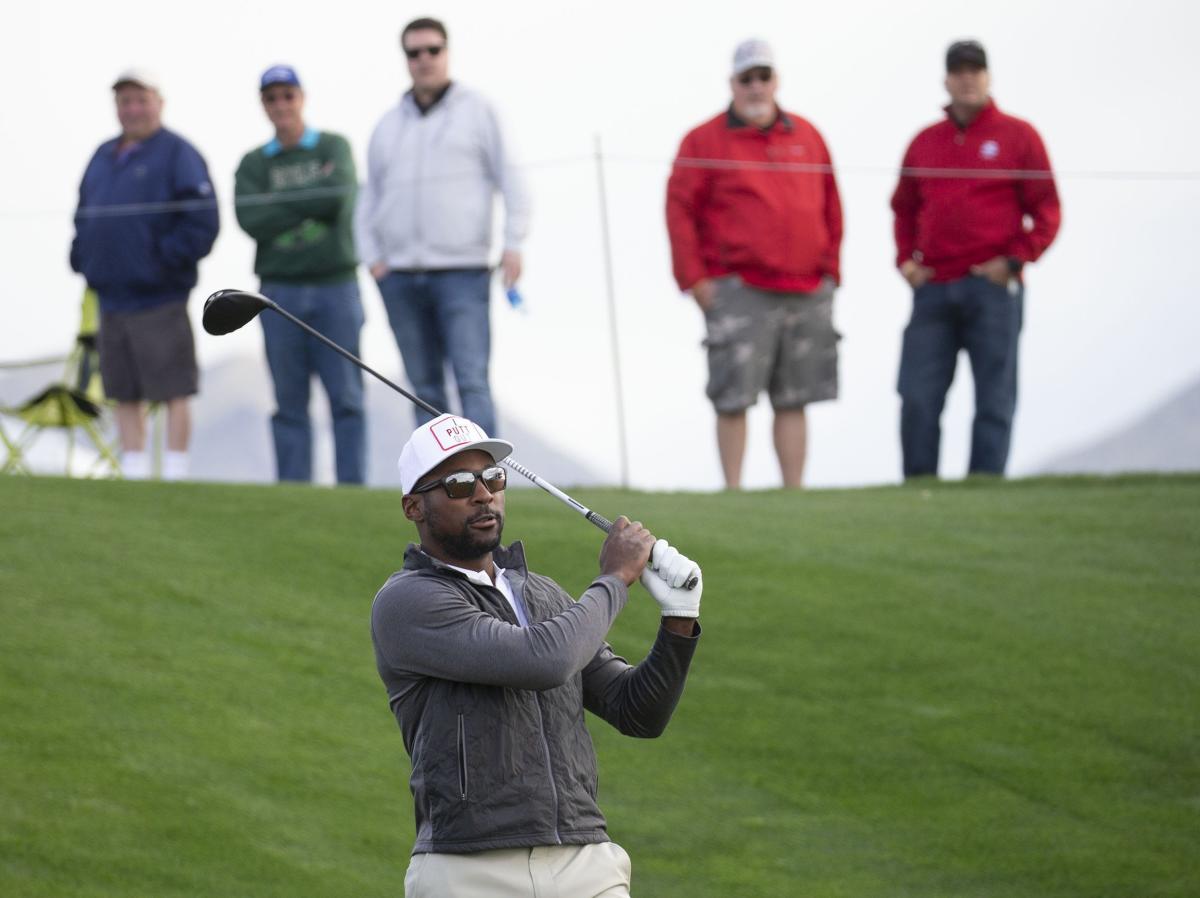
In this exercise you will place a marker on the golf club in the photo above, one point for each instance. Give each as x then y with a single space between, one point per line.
227 310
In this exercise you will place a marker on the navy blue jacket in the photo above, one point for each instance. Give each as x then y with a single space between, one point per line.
144 221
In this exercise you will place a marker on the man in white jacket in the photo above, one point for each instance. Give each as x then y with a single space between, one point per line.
423 225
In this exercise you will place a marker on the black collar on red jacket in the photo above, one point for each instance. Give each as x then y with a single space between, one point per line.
734 121
989 109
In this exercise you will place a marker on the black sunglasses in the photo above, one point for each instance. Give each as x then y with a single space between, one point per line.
461 484
415 52
763 75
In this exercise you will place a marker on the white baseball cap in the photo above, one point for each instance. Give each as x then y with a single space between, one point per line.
752 54
141 77
443 437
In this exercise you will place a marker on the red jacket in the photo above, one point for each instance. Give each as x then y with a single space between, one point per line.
775 222
951 222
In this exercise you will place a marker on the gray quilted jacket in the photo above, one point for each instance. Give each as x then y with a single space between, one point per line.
492 713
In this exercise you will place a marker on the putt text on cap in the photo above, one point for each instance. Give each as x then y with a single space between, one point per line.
444 436
453 432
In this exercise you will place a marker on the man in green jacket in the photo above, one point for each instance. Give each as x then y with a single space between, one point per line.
295 196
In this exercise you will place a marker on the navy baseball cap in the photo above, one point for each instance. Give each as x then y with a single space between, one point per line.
966 53
279 74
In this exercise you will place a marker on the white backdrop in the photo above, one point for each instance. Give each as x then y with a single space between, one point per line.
1111 314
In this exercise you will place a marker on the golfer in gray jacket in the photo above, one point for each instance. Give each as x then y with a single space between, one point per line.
489 667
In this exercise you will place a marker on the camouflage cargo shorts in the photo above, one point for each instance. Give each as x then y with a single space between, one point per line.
783 343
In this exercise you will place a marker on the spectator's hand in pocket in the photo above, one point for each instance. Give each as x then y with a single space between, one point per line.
704 291
915 273
995 270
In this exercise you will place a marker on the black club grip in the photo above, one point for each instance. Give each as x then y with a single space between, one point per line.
600 521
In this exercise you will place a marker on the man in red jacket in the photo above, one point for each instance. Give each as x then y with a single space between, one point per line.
756 227
976 202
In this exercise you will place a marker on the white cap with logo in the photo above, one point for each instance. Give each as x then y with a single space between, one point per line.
443 437
752 54
141 77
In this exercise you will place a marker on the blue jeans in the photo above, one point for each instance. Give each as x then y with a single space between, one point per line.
294 356
440 316
983 318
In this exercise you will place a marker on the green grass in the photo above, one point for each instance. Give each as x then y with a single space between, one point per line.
981 689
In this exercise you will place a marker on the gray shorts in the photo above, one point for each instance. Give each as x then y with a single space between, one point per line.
783 343
148 356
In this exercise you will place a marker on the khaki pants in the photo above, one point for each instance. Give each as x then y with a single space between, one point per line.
552 871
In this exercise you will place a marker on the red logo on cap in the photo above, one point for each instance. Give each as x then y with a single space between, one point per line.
453 432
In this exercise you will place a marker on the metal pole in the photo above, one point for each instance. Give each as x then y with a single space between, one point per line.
612 314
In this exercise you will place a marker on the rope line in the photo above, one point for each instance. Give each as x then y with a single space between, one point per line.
265 199
33 363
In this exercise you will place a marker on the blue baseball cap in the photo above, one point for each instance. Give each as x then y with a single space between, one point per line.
279 74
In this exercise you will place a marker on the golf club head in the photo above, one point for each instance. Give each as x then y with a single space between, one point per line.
227 310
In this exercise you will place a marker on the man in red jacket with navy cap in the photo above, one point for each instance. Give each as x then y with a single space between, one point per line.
976 202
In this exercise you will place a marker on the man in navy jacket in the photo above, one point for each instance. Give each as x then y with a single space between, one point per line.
146 217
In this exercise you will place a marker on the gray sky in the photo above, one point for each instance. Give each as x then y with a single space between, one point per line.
1111 310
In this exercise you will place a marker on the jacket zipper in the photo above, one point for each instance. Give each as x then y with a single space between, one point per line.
462 758
537 700
418 189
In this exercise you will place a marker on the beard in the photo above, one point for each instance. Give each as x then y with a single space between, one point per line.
464 544
758 111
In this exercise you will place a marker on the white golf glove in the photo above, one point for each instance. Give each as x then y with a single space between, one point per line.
666 578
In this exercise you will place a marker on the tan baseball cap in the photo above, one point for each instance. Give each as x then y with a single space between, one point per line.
141 77
443 437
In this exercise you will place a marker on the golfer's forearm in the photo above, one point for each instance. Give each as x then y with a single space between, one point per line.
680 626
639 701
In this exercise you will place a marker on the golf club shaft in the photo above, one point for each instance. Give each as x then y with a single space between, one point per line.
599 520
353 358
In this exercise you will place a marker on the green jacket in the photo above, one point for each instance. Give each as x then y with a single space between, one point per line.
298 204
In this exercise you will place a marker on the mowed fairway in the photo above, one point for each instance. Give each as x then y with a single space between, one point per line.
982 689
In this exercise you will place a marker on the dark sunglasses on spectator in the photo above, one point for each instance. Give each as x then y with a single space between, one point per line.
415 52
461 484
764 75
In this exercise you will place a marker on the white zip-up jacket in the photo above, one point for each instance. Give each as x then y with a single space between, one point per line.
431 181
